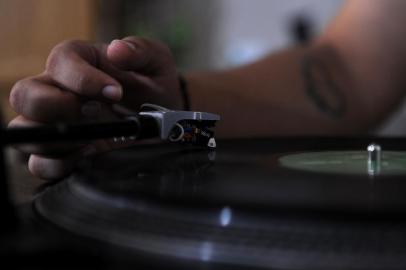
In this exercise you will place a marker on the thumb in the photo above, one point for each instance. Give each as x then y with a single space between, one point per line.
141 55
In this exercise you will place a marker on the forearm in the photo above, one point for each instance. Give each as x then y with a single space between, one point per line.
370 38
279 95
344 83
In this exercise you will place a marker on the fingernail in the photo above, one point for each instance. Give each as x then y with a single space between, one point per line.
113 92
128 44
91 109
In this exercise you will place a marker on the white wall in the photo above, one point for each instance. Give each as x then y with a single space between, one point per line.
248 29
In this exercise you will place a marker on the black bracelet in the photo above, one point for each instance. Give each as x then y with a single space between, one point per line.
184 93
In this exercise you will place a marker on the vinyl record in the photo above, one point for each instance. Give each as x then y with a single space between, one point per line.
256 203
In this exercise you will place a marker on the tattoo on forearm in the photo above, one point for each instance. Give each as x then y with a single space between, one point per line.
322 89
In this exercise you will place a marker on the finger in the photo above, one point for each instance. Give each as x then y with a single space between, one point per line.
51 169
150 65
48 149
36 99
73 66
57 168
141 55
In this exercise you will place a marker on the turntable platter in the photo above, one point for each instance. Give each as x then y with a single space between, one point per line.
239 205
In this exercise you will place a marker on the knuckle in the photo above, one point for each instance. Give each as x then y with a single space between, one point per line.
28 100
68 45
18 94
59 53
54 59
68 65
80 84
38 102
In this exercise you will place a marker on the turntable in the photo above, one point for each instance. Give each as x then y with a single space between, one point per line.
244 204
276 203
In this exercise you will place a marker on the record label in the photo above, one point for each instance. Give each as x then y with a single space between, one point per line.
345 162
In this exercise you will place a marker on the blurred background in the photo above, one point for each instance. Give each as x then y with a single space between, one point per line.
209 34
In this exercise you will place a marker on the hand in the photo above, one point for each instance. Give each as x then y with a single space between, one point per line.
83 81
